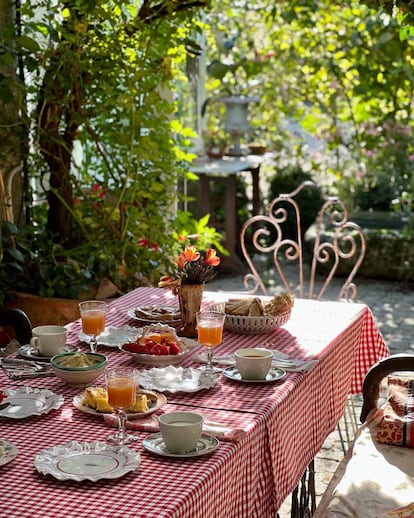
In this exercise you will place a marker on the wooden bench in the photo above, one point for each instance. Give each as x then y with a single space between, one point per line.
374 478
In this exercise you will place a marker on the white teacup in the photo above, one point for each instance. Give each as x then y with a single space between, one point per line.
181 430
253 364
49 340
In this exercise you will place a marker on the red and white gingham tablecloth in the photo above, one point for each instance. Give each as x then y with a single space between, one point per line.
285 422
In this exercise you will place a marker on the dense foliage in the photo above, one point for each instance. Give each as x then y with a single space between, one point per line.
341 76
105 150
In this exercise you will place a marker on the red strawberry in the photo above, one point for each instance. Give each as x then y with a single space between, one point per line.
164 349
174 348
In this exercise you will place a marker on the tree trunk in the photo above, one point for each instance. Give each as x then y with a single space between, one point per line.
13 136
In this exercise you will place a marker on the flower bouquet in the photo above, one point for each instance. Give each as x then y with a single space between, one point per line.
187 282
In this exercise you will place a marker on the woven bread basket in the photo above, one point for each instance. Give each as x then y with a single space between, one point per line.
245 325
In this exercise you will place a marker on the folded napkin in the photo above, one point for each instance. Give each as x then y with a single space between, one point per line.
280 359
150 424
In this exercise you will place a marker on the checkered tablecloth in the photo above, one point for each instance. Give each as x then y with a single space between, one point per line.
285 424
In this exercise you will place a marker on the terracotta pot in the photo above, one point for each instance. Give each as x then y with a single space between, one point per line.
190 297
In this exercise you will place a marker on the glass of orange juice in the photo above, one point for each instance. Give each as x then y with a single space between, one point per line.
121 385
93 314
210 334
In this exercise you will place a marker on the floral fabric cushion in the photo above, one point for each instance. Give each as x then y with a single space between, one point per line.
397 423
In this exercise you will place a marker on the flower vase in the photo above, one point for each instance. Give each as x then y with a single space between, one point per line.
190 297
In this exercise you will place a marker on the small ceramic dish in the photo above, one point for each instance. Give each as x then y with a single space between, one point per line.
78 376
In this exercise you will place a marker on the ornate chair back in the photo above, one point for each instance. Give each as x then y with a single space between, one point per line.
18 323
278 234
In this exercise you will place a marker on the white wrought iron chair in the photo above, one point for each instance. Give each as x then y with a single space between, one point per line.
337 242
265 234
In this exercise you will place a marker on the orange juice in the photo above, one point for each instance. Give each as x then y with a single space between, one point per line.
93 322
121 392
210 333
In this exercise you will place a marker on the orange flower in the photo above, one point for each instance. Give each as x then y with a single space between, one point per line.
190 254
193 268
211 257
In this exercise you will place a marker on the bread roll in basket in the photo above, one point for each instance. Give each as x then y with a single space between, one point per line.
250 316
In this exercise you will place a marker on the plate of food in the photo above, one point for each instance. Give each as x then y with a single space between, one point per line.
163 314
8 452
158 346
114 336
94 400
86 461
27 401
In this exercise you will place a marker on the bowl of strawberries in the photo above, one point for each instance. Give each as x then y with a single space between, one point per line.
158 346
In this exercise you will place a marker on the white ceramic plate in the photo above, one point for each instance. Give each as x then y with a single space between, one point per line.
26 401
86 461
275 374
10 452
155 444
157 313
157 402
175 379
114 336
31 353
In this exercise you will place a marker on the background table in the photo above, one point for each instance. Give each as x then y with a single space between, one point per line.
226 170
285 424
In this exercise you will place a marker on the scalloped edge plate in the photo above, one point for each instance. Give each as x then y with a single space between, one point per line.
10 452
175 379
114 336
160 401
27 401
86 461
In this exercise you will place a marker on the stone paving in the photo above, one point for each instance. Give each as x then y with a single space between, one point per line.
392 304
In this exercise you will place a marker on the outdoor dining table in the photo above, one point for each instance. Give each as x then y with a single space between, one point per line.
282 424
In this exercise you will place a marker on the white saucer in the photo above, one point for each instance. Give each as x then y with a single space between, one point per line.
27 351
155 444
275 374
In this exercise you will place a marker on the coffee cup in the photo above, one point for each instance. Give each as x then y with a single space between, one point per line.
49 340
253 364
181 431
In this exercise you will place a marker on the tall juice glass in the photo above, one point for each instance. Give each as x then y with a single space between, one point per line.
210 334
93 313
121 384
